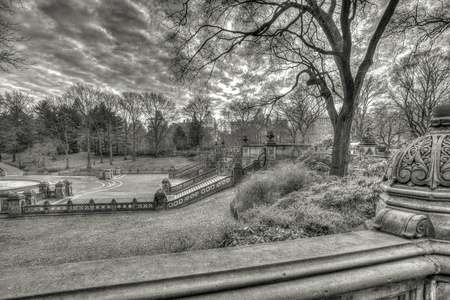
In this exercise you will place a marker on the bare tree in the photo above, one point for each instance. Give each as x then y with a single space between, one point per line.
159 112
372 89
243 119
302 109
419 82
84 97
388 125
309 40
10 56
111 102
130 103
426 20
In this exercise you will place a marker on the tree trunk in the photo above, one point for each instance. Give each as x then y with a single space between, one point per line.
110 145
134 142
100 146
14 156
89 166
66 150
341 144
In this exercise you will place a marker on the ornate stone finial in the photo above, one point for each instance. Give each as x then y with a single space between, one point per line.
417 180
270 137
245 138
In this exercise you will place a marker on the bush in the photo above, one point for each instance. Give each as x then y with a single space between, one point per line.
264 188
316 160
334 205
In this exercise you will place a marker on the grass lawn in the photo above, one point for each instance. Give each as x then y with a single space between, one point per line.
40 241
79 161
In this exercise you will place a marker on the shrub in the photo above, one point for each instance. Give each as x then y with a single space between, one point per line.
264 188
316 160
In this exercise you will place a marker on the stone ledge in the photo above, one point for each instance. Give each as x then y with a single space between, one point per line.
215 270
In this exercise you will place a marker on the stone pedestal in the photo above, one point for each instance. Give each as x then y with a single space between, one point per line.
15 203
68 187
415 201
59 190
108 174
172 172
30 197
118 171
43 188
237 172
159 199
165 185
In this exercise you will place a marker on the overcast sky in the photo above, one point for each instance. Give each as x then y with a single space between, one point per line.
110 43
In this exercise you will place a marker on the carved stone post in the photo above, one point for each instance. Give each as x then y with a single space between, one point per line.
91 205
15 203
59 190
165 185
69 205
113 204
43 189
172 172
237 172
159 199
134 203
68 187
108 174
30 197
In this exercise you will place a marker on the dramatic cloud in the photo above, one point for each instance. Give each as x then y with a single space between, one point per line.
109 43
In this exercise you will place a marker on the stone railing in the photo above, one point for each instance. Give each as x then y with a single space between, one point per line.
146 171
192 170
200 193
91 207
189 183
358 265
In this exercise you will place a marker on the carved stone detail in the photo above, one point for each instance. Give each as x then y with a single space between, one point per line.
401 223
425 162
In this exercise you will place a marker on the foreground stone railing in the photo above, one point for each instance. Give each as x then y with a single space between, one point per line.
359 265
191 182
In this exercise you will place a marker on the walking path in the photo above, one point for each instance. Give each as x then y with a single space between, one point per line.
10 170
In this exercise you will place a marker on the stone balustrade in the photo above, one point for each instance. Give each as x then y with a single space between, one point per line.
191 182
91 207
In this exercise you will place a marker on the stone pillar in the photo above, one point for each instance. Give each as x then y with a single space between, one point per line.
30 197
165 185
15 203
134 203
43 188
172 172
59 190
107 173
159 199
118 171
68 187
113 204
91 205
69 205
237 172
101 174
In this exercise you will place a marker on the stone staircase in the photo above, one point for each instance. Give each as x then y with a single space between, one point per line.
198 191
198 186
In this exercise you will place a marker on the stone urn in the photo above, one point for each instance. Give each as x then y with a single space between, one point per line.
415 198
